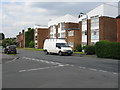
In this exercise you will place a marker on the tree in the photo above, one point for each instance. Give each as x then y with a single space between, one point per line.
29 36
31 44
9 41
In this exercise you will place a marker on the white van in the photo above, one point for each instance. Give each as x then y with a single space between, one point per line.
59 46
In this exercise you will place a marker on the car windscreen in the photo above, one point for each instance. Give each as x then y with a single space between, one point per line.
12 47
62 45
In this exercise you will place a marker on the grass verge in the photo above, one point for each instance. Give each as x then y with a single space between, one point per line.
79 53
35 49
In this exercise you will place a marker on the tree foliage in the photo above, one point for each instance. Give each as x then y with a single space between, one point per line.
9 41
29 36
31 44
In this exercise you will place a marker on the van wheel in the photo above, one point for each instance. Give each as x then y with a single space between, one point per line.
60 53
46 52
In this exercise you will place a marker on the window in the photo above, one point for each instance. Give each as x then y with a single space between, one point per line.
58 35
63 35
63 26
94 21
94 34
70 33
54 35
84 21
35 43
58 25
51 29
51 35
85 32
35 37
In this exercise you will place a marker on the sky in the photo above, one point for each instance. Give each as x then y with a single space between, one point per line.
16 16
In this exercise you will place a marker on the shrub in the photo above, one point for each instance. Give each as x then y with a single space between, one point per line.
107 49
79 48
89 49
31 44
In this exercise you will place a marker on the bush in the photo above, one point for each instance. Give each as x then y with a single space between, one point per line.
107 49
79 48
31 44
89 49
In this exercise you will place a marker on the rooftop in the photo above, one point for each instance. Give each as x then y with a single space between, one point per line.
66 18
40 26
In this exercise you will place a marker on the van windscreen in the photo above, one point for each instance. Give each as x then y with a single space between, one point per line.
62 45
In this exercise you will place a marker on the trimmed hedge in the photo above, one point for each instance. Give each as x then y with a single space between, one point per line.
107 49
89 49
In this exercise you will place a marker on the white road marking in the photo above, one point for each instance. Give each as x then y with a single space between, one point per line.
115 73
92 69
12 60
82 67
58 65
40 68
102 71
72 65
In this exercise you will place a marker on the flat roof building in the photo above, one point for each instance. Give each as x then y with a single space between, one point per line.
99 24
40 34
65 27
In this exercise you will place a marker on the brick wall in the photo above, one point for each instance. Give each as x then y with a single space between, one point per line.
76 38
118 30
42 35
107 29
20 39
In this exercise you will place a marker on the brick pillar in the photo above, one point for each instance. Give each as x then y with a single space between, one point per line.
88 32
56 31
101 28
118 30
66 31
80 32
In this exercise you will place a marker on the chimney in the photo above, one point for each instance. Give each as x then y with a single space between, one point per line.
19 33
22 31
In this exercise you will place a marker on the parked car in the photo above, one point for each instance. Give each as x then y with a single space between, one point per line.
10 49
58 46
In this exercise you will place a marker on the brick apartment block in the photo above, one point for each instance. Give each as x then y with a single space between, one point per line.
99 24
20 39
40 34
67 28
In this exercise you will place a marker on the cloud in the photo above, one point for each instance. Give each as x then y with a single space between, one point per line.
19 15
16 16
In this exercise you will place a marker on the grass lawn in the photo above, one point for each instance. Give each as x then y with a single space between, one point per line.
79 52
36 49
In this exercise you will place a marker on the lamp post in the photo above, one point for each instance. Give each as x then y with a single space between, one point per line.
80 15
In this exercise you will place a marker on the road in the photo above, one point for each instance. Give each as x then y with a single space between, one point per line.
34 69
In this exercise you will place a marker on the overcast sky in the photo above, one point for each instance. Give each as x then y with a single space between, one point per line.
19 15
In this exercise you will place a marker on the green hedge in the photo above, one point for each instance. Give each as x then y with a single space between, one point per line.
79 48
89 49
107 49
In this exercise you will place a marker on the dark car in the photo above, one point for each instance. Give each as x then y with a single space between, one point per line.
10 49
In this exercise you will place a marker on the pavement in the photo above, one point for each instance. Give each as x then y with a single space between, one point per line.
34 69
